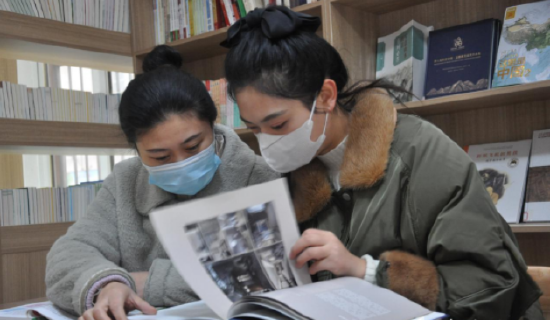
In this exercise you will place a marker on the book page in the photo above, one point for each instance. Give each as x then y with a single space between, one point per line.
343 298
234 244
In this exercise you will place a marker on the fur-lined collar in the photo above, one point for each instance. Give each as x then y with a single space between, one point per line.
366 156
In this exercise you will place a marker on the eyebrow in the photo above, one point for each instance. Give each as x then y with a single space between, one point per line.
269 117
191 138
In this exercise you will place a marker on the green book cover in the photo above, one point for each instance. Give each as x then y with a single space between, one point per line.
242 9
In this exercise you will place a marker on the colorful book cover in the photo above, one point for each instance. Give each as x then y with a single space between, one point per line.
242 9
401 59
537 202
524 48
461 58
209 13
503 170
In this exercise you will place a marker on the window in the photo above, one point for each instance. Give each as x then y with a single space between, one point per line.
68 170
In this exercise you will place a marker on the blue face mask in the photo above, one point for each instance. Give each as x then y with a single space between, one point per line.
186 177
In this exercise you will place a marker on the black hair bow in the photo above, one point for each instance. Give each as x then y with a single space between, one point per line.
275 23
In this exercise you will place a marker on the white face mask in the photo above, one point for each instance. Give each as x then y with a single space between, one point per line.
294 150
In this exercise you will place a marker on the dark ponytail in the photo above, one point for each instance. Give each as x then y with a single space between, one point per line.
292 64
161 91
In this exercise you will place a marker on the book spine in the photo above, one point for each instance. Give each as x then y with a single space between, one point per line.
215 14
209 15
242 9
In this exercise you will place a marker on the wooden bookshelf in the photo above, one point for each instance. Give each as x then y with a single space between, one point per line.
51 32
199 52
199 47
481 99
531 228
23 251
29 133
380 6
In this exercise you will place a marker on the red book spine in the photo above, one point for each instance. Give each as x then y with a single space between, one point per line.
225 13
236 9
220 11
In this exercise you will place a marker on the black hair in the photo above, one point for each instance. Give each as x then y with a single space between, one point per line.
161 91
291 67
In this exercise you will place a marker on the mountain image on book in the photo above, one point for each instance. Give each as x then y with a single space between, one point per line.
524 49
460 86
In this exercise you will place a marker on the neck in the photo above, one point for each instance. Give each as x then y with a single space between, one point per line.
337 130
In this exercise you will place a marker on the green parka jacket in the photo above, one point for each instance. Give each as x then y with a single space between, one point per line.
413 199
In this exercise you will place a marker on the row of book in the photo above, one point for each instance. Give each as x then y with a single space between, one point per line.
46 205
181 19
111 15
228 111
517 176
55 104
467 58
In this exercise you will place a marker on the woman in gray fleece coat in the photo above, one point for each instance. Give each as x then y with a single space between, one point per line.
110 261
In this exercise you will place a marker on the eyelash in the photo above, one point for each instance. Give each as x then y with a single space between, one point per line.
162 158
279 126
193 148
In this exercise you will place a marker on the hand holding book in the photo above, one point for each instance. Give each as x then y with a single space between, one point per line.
328 253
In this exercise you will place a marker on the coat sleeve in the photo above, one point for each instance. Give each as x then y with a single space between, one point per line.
470 267
86 254
165 287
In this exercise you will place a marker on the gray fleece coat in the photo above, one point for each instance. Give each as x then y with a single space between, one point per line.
116 236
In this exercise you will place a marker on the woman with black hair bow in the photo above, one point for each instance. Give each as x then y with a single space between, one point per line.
384 197
110 261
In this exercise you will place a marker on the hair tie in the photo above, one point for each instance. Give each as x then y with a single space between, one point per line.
275 22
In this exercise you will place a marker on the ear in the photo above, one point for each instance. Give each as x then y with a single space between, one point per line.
326 101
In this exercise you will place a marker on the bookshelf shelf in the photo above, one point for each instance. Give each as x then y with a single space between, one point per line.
380 6
207 45
531 227
314 8
482 99
33 133
40 30
17 239
199 47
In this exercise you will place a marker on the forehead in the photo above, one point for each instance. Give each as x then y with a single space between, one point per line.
174 128
254 105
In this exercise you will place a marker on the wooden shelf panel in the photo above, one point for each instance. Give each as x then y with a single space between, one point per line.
207 45
15 132
31 238
18 26
380 6
199 47
531 228
479 100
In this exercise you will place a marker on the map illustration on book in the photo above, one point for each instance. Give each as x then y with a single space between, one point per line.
524 49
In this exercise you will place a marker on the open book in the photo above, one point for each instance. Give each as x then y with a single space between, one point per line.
233 248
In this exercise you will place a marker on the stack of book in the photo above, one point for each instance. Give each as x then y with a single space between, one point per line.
55 104
228 111
46 205
104 14
517 176
182 19
471 57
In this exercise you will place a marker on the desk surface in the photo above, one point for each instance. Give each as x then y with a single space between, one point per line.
21 303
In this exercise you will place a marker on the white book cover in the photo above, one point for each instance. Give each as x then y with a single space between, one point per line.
11 100
67 7
121 16
126 20
97 16
48 103
45 9
53 12
115 15
16 101
30 98
4 98
182 19
40 99
91 13
24 102
537 202
101 13
34 10
503 169
38 6
55 104
61 10
2 109
401 59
